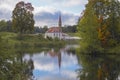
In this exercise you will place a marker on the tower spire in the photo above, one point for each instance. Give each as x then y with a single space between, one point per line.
60 22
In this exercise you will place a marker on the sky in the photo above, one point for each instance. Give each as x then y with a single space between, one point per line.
46 67
46 12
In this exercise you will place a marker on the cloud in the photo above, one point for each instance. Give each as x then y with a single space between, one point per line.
46 67
72 3
44 62
67 62
51 18
62 75
64 3
69 74
4 14
77 2
6 8
56 77
46 12
8 4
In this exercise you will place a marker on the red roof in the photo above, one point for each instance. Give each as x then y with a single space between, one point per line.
54 29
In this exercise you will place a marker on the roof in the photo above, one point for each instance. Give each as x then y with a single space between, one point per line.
54 29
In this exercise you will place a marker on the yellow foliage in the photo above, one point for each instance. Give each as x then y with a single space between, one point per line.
100 74
103 33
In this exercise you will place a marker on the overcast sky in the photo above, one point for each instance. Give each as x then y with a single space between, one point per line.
46 12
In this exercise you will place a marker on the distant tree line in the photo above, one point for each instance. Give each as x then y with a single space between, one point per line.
40 29
66 29
6 26
70 29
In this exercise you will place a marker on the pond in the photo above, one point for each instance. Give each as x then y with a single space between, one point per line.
60 64
65 63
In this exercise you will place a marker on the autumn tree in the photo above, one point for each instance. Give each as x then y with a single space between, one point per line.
22 17
108 14
107 28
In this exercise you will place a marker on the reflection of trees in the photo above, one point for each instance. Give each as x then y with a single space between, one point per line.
71 51
12 66
99 67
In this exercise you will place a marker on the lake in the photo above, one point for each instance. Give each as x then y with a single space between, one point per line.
65 63
60 64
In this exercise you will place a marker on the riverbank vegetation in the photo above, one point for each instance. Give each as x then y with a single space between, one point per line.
99 27
13 40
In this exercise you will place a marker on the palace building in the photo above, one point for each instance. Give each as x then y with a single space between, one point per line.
55 32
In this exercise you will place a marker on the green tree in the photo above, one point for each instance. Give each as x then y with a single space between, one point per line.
109 10
13 67
69 29
3 25
22 17
6 26
45 28
87 29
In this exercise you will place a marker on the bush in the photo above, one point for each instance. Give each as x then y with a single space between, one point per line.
49 38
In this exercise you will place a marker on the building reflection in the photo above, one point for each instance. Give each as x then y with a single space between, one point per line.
54 63
57 54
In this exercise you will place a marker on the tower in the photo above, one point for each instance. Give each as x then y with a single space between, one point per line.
60 23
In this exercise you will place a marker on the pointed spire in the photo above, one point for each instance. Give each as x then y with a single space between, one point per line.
60 22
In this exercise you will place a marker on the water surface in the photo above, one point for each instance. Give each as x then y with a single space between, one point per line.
57 64
54 64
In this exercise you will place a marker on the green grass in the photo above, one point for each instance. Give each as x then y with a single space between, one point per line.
73 34
13 40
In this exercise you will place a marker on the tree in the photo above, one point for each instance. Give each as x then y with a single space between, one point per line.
6 26
108 13
107 30
22 17
9 26
87 29
12 65
40 29
3 25
45 28
69 29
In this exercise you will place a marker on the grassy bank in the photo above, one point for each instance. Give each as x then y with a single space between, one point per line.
13 40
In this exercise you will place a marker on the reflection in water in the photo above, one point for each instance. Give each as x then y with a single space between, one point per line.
56 54
99 67
57 64
54 64
12 67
